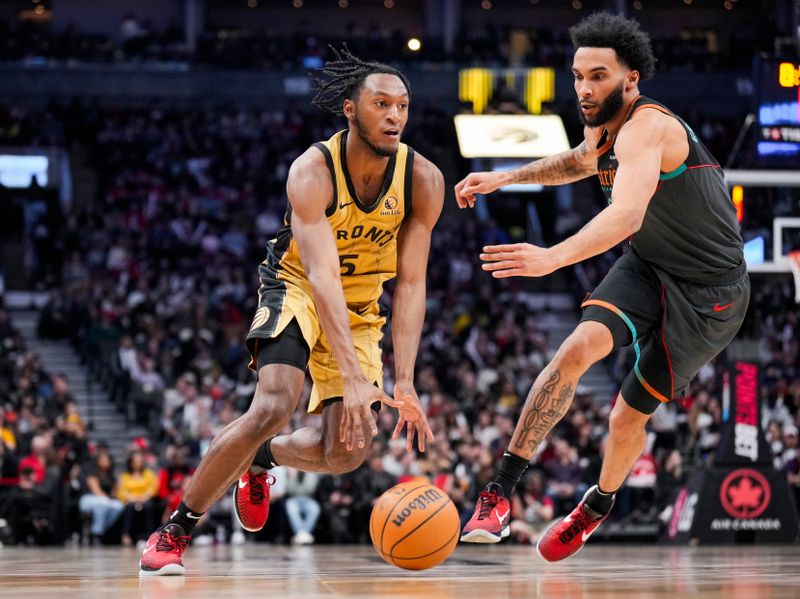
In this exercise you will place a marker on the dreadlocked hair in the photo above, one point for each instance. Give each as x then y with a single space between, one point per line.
345 76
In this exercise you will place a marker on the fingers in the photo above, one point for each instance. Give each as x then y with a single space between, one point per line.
460 200
466 190
420 437
510 272
497 256
505 265
465 200
399 428
356 431
425 434
369 422
345 430
394 403
508 247
410 437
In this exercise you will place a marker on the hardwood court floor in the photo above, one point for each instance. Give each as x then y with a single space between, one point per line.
488 572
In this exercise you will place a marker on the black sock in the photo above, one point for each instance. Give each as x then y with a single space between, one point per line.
600 501
263 458
512 467
185 518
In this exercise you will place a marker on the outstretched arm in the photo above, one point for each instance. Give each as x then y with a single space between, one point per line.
638 149
573 165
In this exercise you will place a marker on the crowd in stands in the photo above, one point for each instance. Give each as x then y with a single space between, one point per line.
156 293
138 41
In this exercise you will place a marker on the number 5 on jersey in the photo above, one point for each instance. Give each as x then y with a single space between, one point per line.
347 262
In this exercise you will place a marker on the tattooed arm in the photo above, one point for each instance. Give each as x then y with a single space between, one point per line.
573 165
566 167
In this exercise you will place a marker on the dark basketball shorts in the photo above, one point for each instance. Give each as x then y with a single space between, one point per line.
676 326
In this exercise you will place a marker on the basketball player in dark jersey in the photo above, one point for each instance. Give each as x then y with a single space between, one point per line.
678 294
362 206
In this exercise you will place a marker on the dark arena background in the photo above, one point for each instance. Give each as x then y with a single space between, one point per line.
144 150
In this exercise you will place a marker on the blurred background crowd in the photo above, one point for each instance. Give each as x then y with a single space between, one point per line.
151 280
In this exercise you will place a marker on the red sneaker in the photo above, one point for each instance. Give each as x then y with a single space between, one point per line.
251 500
162 554
568 536
489 523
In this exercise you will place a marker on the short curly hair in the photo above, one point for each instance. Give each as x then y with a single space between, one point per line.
632 45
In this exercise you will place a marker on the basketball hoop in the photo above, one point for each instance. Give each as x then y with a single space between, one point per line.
794 264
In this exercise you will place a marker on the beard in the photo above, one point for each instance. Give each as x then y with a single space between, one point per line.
375 148
606 110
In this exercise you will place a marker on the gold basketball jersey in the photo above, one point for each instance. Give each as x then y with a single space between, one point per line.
366 236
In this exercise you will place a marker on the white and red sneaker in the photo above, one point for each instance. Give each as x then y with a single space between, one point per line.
251 500
162 554
567 536
489 523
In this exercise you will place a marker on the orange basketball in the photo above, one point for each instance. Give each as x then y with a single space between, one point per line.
414 525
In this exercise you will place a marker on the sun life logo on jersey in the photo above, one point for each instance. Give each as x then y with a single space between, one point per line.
390 206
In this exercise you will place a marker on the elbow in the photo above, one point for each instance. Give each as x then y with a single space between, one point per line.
322 278
634 222
410 285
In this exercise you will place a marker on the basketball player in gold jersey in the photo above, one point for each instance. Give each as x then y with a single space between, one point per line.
361 210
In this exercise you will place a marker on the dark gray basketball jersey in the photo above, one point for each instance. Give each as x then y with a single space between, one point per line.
690 228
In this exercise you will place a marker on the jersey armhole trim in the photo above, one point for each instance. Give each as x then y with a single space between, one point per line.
672 174
407 184
329 161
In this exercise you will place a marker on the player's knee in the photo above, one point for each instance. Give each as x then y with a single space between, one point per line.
269 412
587 344
626 421
339 461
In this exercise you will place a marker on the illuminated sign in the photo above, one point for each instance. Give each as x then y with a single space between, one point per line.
510 135
784 133
737 197
778 109
21 170
530 87
788 75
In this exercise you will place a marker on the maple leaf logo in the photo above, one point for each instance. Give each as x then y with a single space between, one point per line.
746 495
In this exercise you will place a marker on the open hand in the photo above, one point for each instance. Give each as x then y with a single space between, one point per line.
357 418
411 416
518 260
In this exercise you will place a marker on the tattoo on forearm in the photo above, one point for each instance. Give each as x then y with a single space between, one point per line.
554 170
541 412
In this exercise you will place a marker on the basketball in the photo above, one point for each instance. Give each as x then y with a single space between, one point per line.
414 526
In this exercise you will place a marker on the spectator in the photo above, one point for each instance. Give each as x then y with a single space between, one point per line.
302 509
531 509
371 481
670 479
31 510
173 478
137 489
336 495
37 460
565 486
99 486
7 436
